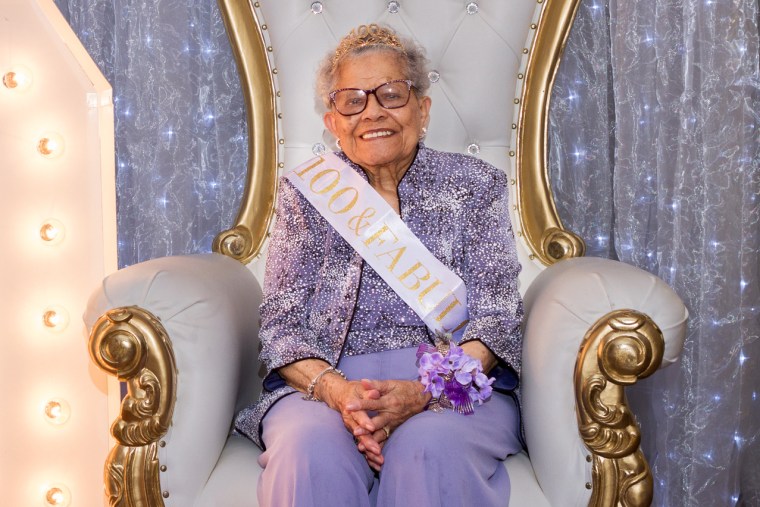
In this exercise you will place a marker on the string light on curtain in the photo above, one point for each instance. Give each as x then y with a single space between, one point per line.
18 79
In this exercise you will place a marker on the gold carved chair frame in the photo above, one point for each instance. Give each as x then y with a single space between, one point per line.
620 348
542 228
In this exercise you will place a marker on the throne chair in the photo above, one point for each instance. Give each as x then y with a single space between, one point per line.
182 331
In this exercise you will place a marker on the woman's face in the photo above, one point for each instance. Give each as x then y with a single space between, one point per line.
378 138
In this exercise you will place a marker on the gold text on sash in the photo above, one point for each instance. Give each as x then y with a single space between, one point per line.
326 183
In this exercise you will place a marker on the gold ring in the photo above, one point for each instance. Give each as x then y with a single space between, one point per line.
387 432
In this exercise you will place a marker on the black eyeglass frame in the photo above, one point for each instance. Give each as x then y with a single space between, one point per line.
367 93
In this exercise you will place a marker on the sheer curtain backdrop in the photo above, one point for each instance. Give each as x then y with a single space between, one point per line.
664 173
181 138
661 170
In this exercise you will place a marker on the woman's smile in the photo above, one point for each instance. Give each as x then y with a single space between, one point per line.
382 141
375 134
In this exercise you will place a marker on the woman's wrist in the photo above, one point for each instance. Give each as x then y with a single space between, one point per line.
327 385
424 396
315 390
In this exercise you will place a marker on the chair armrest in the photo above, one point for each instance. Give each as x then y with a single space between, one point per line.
570 308
182 327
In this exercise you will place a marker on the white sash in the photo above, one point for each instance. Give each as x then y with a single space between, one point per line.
363 218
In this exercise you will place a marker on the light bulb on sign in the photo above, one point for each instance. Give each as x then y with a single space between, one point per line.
57 411
50 145
57 495
52 231
55 318
18 79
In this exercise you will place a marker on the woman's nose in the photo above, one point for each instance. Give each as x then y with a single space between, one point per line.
373 109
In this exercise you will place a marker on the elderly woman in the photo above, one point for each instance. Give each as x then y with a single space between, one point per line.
345 417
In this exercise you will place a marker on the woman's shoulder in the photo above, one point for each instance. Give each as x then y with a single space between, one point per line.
464 169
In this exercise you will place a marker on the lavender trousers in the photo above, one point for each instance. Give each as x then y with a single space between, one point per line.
432 459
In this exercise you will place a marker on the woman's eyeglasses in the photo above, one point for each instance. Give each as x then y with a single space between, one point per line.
390 95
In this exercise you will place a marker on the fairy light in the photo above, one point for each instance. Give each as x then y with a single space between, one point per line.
55 318
52 231
57 495
50 145
57 411
18 79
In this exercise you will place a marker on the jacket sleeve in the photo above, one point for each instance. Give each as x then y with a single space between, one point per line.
294 259
490 271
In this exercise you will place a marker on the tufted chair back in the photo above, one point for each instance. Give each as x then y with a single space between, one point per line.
479 52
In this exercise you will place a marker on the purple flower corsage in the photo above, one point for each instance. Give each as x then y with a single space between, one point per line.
455 379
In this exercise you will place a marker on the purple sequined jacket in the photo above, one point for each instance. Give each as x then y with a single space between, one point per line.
455 204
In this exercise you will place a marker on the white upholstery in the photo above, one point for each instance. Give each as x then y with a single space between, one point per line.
561 305
207 303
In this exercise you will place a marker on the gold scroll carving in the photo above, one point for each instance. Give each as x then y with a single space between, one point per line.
619 349
131 344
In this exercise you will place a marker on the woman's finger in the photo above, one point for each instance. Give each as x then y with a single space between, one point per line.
381 386
374 465
366 405
375 461
370 445
382 435
363 423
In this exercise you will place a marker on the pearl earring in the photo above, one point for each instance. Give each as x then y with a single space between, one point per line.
423 132
337 143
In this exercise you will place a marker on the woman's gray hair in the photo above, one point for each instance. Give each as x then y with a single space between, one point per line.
412 57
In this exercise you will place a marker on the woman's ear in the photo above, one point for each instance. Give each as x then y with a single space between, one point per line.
425 103
329 120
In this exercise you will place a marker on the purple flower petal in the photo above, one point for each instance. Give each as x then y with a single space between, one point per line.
425 348
436 386
463 377
459 397
481 380
485 393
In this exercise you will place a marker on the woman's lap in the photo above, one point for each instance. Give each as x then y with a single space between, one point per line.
431 459
452 459
310 456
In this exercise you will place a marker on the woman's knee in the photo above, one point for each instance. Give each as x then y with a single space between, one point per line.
318 441
422 439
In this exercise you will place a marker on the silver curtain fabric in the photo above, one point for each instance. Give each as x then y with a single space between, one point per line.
661 169
181 138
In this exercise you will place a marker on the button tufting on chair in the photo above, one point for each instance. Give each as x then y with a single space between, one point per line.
318 149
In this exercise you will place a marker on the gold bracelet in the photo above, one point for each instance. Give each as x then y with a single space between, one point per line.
310 390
